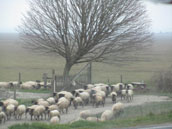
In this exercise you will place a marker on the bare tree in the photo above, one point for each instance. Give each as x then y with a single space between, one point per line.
84 30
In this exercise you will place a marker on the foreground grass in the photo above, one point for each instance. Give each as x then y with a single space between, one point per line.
141 120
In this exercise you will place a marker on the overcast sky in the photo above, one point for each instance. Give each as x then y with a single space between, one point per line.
11 13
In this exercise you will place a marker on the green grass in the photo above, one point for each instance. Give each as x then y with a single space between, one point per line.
141 120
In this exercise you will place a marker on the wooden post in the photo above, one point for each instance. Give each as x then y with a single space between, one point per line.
121 79
45 79
53 80
18 85
90 73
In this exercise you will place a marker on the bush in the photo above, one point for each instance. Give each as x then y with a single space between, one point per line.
163 81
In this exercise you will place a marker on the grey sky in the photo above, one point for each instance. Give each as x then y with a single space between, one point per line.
11 13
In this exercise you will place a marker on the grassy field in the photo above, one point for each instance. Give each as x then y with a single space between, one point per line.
155 113
15 59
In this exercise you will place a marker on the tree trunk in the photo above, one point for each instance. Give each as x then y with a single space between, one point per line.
66 78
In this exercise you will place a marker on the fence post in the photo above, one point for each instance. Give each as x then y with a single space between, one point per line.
53 80
121 79
90 73
45 79
18 85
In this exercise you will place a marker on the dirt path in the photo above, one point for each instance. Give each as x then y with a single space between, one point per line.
74 114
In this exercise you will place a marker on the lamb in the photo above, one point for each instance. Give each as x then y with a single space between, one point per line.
63 103
114 96
107 115
54 113
2 117
20 110
84 114
78 101
54 120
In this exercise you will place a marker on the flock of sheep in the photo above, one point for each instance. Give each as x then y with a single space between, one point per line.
25 85
52 107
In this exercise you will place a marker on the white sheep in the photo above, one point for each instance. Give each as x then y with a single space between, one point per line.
21 109
54 113
107 115
38 111
44 103
4 84
6 102
54 120
92 119
113 96
85 97
129 95
51 100
98 99
63 103
78 101
84 114
2 117
118 108
9 110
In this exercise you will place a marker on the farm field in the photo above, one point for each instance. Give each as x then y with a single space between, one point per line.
15 59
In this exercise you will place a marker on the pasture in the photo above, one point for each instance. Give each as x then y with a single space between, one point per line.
14 59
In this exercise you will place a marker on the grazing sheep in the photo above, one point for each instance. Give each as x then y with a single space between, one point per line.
2 117
78 101
84 114
54 113
55 120
114 96
107 115
20 110
63 103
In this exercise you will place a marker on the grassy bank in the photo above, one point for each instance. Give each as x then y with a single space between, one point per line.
142 120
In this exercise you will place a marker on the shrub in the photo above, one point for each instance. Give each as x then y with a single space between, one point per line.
163 81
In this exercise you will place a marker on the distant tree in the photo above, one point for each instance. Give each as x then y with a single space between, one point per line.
84 30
